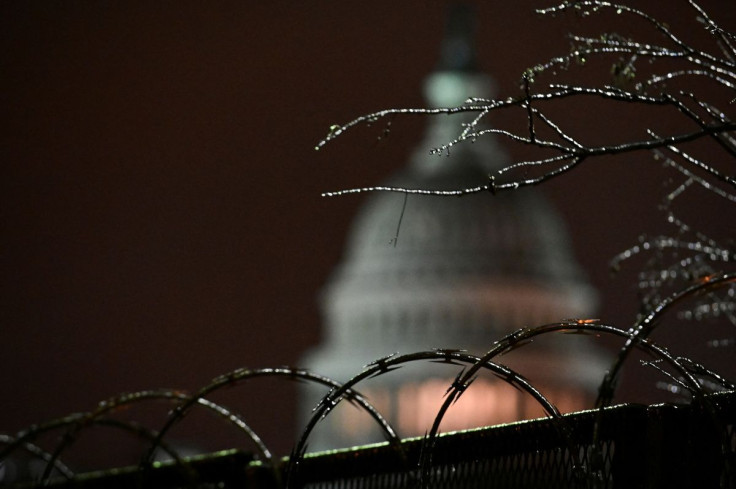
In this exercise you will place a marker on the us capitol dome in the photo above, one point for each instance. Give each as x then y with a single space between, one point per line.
462 273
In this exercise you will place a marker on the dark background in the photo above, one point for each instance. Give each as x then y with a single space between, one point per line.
160 196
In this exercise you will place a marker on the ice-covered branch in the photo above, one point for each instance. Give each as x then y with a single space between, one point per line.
568 150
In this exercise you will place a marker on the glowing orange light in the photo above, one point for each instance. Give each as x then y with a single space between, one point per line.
588 321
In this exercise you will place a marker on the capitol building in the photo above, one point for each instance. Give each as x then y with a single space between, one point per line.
462 273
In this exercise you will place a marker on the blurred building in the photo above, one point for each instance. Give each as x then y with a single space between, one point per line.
458 273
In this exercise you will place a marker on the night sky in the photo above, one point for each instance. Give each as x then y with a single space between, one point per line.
160 199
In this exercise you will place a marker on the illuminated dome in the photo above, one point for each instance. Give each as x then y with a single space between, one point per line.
463 272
